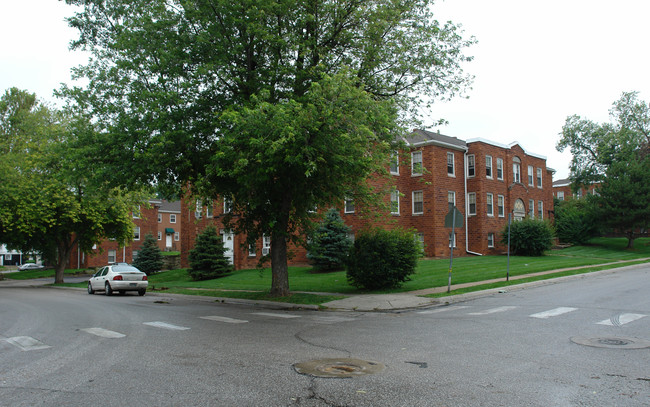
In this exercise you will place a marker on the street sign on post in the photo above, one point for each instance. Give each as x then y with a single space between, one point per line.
453 220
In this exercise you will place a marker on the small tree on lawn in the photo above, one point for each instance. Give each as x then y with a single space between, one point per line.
330 244
529 237
149 259
207 259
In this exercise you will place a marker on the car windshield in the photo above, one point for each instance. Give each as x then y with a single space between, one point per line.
125 269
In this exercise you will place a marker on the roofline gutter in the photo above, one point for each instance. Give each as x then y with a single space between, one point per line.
466 215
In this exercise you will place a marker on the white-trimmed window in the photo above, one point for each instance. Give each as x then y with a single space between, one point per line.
177 236
252 250
172 218
112 256
452 237
416 163
488 166
539 178
418 202
394 202
490 238
227 205
451 197
136 233
137 212
160 218
490 204
540 209
159 235
451 169
471 203
349 205
516 170
419 239
560 195
266 245
134 255
531 208
530 176
471 166
209 209
500 168
501 206
394 163
198 212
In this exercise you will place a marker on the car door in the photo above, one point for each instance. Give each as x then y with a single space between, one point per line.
97 281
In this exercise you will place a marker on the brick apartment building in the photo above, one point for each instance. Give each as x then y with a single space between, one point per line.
160 219
562 189
485 180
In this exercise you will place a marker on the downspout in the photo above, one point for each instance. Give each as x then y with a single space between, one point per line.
466 215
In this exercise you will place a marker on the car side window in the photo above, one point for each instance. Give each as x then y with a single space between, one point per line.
99 272
105 271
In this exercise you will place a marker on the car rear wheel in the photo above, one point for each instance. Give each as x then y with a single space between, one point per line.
141 292
109 290
90 289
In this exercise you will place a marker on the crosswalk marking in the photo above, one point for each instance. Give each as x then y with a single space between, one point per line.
621 319
332 320
274 315
165 325
104 333
552 313
493 310
225 319
27 343
448 308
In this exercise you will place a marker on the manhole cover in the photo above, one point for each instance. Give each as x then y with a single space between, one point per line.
338 367
613 343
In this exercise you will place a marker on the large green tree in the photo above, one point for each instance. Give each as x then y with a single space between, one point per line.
617 156
48 199
279 105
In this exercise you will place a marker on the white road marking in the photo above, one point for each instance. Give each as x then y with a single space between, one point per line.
553 312
443 309
493 310
27 343
104 333
332 320
271 314
621 319
165 325
225 319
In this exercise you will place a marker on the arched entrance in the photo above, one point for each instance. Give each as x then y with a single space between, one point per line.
519 211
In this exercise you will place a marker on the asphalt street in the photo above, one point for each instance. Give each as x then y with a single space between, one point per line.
65 347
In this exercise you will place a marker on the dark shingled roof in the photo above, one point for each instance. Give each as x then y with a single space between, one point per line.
428 137
166 206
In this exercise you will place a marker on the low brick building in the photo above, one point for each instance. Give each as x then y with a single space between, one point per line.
563 190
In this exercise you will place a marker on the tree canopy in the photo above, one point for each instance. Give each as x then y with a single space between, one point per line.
48 200
278 105
615 155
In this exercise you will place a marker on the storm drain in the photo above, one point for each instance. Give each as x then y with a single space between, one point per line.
612 342
344 367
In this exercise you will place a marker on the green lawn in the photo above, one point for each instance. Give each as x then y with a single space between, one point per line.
310 287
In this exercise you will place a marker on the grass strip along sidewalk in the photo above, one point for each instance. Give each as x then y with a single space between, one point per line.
469 274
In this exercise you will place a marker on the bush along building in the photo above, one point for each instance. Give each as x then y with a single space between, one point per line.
485 180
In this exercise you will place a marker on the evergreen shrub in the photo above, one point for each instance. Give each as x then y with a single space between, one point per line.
381 259
330 244
149 259
529 237
207 258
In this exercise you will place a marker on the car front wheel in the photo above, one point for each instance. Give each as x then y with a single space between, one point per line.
109 290
90 289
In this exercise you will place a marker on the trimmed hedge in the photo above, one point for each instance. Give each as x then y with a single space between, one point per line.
529 237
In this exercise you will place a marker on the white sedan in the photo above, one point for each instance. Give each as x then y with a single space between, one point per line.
119 277
30 266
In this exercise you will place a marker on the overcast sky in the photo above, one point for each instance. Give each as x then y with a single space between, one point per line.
535 64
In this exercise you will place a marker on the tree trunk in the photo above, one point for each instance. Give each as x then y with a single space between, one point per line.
64 247
630 240
279 267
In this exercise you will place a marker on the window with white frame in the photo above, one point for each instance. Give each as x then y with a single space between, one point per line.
578 194
500 168
172 218
134 255
159 235
252 250
136 212
209 209
490 239
490 204
501 206
540 209
419 239
416 163
160 218
452 238
471 203
136 233
530 176
451 170
560 195
394 202
349 205
112 256
488 166
539 178
266 245
227 205
471 166
451 197
177 236
394 163
418 203
531 208
198 210
516 170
